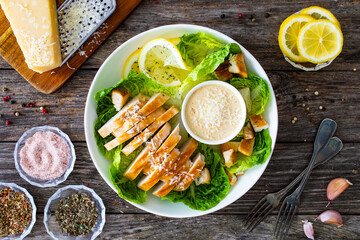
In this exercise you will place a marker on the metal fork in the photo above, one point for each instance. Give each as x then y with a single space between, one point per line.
291 202
270 202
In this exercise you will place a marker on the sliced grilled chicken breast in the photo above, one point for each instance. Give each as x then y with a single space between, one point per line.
131 107
150 180
135 130
156 101
195 170
140 161
148 132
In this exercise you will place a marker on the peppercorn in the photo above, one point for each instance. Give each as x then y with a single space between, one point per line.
41 108
44 111
240 15
222 16
316 93
23 105
12 101
4 89
17 114
267 15
253 19
7 122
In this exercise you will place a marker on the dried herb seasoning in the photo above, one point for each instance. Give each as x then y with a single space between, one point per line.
15 212
76 214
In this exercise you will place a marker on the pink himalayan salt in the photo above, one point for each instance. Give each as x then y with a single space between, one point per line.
45 155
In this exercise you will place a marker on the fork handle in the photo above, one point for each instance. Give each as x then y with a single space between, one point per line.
326 131
325 154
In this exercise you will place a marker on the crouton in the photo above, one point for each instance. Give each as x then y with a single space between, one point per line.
232 177
246 146
222 71
204 177
119 97
248 132
229 145
258 123
237 65
246 94
230 157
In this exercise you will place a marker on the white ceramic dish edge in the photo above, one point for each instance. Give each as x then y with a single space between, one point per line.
155 205
242 107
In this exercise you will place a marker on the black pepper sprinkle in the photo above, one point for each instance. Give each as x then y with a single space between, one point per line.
324 108
332 100
267 15
23 105
222 16
293 96
12 101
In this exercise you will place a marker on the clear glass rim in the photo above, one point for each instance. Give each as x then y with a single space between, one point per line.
28 229
94 196
43 183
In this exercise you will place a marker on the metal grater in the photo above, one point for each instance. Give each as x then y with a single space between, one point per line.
78 20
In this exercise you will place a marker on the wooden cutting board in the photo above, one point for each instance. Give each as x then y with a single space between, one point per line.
49 82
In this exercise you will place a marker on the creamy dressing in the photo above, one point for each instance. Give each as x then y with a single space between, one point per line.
213 112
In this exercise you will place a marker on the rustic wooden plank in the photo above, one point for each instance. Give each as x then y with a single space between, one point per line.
135 226
338 95
259 37
287 162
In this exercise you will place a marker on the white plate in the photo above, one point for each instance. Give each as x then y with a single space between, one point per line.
111 72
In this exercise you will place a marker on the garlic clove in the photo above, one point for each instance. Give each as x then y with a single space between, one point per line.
336 187
331 216
308 229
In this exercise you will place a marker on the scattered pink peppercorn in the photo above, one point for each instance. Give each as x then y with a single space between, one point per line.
13 94
7 98
7 122
31 105
156 2
44 111
240 15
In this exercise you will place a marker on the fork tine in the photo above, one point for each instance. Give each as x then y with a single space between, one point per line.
280 218
260 219
290 221
253 211
286 222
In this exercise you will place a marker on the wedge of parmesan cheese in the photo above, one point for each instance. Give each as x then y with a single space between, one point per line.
35 26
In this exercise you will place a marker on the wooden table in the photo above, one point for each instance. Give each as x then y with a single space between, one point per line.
338 87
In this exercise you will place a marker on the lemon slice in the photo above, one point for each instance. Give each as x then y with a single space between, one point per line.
161 60
320 41
132 64
288 35
320 13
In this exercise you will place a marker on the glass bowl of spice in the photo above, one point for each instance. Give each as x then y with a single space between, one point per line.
74 212
17 211
44 156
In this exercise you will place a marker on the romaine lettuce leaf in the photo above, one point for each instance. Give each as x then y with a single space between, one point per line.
135 83
126 189
205 70
259 91
208 195
261 152
196 46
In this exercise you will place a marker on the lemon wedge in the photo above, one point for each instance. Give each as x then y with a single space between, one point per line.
132 63
288 35
161 60
320 41
320 13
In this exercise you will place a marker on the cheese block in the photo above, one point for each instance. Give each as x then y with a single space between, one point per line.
35 26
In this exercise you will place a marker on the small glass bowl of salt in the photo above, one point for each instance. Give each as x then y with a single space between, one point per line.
33 175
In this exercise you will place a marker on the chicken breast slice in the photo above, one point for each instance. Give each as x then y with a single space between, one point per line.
131 107
147 182
135 130
168 145
140 161
195 170
148 132
156 101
